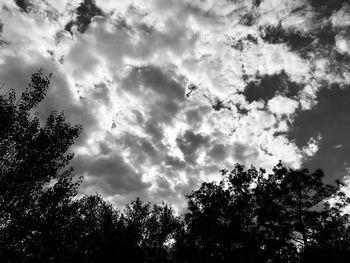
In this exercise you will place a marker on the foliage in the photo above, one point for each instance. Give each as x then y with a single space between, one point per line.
249 216
35 184
252 217
151 229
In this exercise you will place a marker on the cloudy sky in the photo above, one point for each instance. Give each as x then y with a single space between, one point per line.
171 91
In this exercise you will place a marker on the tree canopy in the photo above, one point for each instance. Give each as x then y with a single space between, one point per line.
253 217
249 216
36 186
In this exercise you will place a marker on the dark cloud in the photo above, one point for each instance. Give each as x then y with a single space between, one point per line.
193 116
218 152
164 189
24 5
112 173
101 92
163 183
175 162
328 7
147 147
162 91
142 150
104 148
85 12
249 19
160 82
138 116
329 118
244 154
268 86
212 169
153 128
189 143
164 111
257 2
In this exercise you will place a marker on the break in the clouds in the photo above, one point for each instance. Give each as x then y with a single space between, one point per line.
169 92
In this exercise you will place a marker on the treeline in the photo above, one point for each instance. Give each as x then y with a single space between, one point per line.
248 217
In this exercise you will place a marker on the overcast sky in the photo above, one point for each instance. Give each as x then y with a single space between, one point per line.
171 91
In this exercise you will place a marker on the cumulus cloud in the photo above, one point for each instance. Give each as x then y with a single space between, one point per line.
169 92
282 105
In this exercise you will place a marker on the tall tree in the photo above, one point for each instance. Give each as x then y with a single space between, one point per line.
296 202
36 185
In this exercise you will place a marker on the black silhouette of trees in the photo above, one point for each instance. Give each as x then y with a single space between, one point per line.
96 231
250 216
36 185
253 217
298 199
140 233
221 225
151 230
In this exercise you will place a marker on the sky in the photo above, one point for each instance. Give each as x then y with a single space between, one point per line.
171 91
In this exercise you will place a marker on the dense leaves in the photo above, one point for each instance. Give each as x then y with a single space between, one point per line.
249 216
35 184
253 217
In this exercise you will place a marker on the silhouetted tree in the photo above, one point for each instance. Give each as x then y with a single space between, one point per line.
286 216
96 231
220 225
252 217
151 230
36 186
294 205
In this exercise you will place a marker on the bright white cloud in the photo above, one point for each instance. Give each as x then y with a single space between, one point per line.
312 147
282 106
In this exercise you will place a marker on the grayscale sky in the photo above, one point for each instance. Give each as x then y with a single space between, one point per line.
171 91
